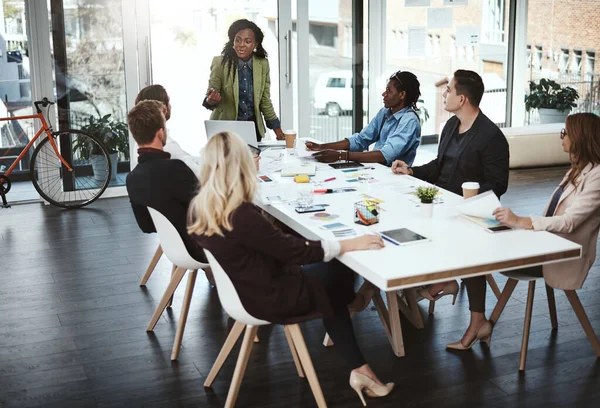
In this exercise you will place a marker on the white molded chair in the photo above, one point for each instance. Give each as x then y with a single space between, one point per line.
174 248
513 278
234 308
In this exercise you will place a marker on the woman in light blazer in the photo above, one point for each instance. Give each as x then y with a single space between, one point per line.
239 87
573 212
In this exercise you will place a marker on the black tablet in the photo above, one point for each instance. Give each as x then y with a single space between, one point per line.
346 165
402 236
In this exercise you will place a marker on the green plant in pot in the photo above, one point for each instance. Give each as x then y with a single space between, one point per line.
552 101
114 135
426 195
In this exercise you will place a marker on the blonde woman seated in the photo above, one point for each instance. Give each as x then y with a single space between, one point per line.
573 212
279 278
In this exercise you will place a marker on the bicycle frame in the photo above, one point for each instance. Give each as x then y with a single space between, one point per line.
44 128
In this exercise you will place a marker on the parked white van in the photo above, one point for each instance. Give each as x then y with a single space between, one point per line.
333 92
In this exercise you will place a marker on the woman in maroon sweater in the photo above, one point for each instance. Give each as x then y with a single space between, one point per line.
280 278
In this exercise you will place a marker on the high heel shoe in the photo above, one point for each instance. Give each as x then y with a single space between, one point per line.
450 289
358 382
484 334
363 297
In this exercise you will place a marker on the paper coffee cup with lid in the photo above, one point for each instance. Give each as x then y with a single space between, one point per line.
470 189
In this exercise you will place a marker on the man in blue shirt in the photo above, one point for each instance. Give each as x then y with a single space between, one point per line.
395 130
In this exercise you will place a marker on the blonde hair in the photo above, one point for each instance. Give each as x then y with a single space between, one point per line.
227 179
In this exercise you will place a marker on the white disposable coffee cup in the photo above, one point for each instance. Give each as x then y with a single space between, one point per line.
470 189
290 138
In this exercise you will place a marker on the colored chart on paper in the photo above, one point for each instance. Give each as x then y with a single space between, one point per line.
324 216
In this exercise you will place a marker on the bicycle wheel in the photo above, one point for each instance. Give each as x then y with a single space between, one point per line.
88 158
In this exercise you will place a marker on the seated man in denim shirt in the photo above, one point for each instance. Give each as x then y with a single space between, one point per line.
395 130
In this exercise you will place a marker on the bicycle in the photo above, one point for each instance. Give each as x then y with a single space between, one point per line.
69 168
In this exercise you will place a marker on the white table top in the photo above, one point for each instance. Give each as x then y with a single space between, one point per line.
456 247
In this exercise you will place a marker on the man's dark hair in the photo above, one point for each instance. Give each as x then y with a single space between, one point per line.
145 119
469 84
228 53
153 93
407 81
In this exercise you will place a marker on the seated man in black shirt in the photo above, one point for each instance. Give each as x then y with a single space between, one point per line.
165 184
471 148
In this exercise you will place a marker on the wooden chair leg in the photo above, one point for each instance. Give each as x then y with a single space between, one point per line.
492 282
583 319
256 339
240 367
185 308
232 338
504 297
179 272
527 325
290 341
307 364
552 307
170 302
431 307
152 265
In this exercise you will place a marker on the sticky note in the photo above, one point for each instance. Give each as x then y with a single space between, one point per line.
301 178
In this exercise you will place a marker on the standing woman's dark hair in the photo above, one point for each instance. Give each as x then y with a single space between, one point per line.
229 54
407 81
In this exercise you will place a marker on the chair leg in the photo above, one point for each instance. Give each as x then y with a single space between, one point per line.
431 306
152 265
504 297
232 338
170 303
552 307
185 308
527 325
179 272
583 319
492 282
288 336
240 367
306 361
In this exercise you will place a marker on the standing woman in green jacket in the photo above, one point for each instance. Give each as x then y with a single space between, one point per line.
240 87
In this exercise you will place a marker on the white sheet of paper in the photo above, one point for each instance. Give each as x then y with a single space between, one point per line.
417 3
482 205
456 2
467 35
439 18
417 37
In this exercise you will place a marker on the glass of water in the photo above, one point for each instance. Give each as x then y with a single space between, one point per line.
305 197
364 177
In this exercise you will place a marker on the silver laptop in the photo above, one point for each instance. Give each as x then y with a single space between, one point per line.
245 130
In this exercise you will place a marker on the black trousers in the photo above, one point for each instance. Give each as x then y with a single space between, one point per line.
476 288
339 284
253 119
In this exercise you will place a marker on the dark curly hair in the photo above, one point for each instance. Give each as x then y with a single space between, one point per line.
407 81
228 53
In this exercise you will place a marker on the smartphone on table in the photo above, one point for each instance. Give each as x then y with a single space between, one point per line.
498 228
312 208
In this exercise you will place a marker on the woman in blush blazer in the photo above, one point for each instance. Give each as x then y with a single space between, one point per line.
573 212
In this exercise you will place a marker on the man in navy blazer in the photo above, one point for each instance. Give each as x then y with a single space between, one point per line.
471 148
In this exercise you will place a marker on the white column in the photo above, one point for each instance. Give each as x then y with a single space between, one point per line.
518 68
302 29
286 90
377 62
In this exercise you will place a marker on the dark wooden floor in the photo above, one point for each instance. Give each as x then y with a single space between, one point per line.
73 318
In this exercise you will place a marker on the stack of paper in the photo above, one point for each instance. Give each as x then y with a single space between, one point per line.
480 209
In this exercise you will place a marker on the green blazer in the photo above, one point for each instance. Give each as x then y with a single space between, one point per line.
226 82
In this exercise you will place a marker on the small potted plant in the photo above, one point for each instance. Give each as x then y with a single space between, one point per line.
113 134
427 195
552 101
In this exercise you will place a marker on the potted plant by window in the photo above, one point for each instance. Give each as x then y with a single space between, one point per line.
552 101
427 195
113 134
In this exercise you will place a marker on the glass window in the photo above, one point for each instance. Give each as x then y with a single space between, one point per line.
336 83
563 62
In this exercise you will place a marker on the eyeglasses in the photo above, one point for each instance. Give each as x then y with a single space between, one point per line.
395 76
563 133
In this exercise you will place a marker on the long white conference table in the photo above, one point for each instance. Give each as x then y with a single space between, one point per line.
456 247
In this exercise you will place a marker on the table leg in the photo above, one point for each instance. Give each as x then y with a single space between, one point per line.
396 329
410 309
